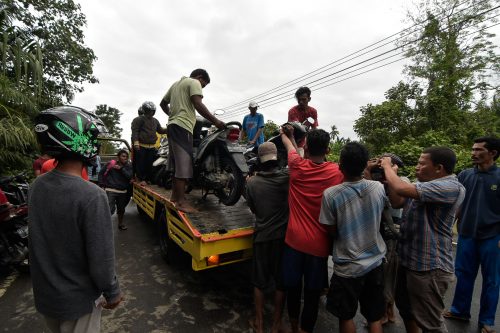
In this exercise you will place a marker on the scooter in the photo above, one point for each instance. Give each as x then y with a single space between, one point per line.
299 132
13 235
219 166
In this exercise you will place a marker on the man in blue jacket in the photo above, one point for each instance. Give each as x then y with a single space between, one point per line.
479 236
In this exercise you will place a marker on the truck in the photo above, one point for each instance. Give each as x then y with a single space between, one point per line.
216 235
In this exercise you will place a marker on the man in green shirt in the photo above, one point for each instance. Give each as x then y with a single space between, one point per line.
180 103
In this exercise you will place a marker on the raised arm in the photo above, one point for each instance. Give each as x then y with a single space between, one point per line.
202 110
399 190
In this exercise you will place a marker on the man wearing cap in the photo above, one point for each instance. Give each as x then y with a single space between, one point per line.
267 197
253 125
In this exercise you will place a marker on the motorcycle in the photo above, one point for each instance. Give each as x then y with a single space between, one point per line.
219 166
14 224
299 132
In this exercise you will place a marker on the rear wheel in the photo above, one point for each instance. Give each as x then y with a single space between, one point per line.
230 193
167 245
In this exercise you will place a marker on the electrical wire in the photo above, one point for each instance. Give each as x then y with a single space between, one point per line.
275 99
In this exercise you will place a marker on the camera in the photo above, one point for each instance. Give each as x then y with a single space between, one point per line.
377 173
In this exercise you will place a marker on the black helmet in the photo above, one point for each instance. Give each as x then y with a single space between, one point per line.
148 107
68 130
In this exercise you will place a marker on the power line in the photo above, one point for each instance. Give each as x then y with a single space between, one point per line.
280 95
279 99
322 69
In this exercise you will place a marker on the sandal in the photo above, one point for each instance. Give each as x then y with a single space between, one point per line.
486 329
453 316
122 227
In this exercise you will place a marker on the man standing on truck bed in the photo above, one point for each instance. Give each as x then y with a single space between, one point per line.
144 138
179 103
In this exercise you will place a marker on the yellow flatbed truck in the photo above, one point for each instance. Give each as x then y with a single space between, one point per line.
216 235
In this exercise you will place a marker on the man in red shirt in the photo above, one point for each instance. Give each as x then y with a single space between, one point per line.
302 111
307 241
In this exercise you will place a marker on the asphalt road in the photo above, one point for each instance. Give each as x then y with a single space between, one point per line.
163 298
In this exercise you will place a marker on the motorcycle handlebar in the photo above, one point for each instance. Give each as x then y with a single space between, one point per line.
237 123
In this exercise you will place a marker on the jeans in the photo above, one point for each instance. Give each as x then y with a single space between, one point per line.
472 253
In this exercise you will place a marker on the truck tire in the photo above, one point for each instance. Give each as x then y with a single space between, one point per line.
231 193
167 245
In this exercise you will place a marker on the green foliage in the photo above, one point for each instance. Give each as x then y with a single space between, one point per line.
43 62
445 101
270 129
111 118
55 28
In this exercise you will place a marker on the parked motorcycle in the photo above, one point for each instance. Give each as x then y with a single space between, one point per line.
219 166
299 132
14 224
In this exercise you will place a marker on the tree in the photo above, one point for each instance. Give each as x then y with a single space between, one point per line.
270 129
454 56
43 63
445 99
111 118
55 27
334 133
393 120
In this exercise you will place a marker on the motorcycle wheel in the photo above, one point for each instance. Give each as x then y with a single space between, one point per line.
231 192
158 172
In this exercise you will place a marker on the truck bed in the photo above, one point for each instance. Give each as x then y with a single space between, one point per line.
213 216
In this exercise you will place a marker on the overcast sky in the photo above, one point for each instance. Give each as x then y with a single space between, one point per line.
247 47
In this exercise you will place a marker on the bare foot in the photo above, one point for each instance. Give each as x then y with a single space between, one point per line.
185 207
255 327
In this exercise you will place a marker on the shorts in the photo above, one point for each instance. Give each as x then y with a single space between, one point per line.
368 290
266 264
180 151
297 264
420 296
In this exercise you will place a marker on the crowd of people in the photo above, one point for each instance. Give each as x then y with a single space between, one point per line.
390 240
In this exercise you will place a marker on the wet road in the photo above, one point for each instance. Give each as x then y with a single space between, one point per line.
163 298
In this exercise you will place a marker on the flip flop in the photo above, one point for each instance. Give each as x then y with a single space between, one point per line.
453 316
487 329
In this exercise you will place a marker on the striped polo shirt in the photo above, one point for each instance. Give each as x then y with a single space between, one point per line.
426 227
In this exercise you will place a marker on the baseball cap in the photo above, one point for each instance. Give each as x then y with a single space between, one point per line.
253 104
267 152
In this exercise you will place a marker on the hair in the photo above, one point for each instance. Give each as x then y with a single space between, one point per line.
353 159
317 141
490 143
200 72
301 91
444 156
122 151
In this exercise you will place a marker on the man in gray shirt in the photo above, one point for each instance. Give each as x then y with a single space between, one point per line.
70 232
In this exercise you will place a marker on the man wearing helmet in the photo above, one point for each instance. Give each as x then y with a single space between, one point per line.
144 129
179 103
70 233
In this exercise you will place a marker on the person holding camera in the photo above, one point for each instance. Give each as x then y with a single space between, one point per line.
425 246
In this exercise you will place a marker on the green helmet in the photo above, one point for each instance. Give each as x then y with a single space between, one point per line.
68 130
